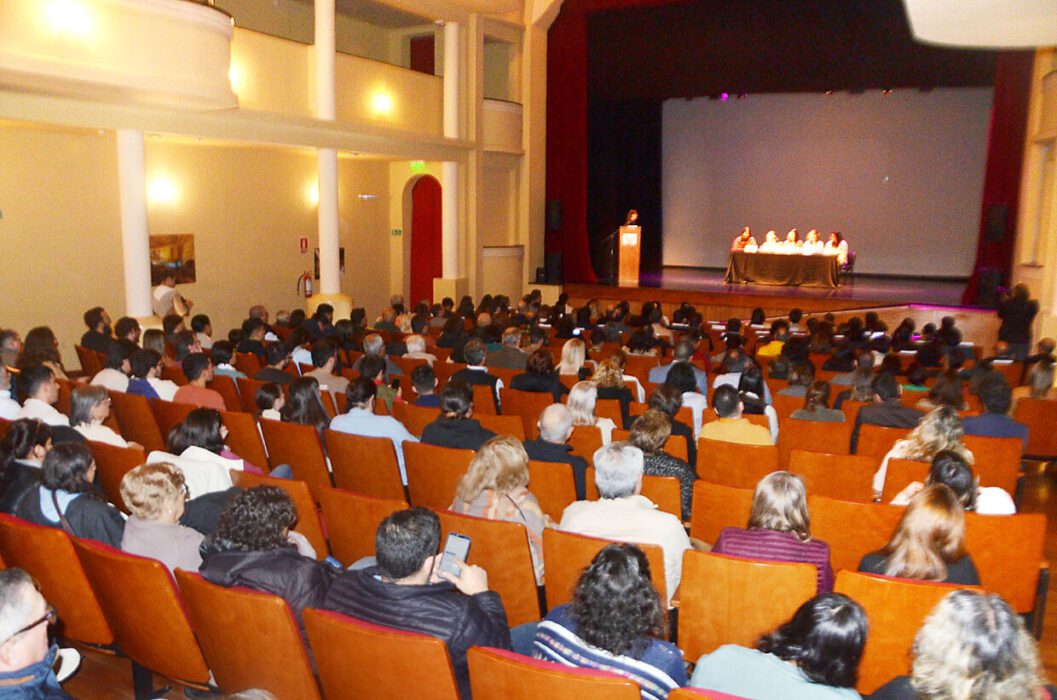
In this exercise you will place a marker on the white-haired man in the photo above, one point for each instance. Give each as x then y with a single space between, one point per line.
26 658
416 349
623 514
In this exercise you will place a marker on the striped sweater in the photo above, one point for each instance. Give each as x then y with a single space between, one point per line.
771 545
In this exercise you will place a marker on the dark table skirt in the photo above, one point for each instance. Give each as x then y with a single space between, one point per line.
788 270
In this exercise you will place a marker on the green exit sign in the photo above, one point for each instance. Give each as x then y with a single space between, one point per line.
396 232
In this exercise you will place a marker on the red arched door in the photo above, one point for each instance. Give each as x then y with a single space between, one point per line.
425 238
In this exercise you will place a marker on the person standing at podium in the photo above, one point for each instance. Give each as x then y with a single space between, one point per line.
633 218
745 238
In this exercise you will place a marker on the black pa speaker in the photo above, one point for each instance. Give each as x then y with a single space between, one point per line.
553 261
554 215
997 215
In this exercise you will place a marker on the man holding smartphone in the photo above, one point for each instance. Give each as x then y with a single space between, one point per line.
407 590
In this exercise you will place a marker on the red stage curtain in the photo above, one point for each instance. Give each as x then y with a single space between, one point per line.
1005 160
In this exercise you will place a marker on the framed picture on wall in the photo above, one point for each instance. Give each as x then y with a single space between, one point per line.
341 261
173 253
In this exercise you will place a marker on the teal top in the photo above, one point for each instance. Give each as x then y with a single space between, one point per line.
749 673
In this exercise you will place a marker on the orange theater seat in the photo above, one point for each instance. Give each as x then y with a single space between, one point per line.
552 485
352 520
900 473
1008 553
843 476
851 529
136 420
996 460
168 414
734 464
249 639
226 387
433 473
502 425
91 364
415 418
526 404
248 394
796 434
567 554
366 465
495 673
112 463
1039 416
244 438
308 523
877 440
297 445
716 507
585 441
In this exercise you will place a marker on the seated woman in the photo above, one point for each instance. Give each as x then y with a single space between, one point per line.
1039 384
813 245
753 392
251 548
611 384
940 429
929 542
771 244
814 655
155 495
950 468
681 376
668 400
779 529
496 487
582 399
649 432
620 362
574 353
972 645
304 405
455 426
89 407
946 391
65 497
41 347
815 406
616 622
540 375
836 245
270 401
23 447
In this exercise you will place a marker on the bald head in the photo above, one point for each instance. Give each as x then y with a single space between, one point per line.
556 423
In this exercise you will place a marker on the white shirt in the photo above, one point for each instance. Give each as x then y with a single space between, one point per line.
9 408
301 355
697 403
166 389
204 472
632 519
205 341
44 412
113 379
97 432
640 393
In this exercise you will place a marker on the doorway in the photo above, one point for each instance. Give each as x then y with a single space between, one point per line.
426 260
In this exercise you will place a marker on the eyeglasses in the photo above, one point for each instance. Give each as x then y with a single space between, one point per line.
49 617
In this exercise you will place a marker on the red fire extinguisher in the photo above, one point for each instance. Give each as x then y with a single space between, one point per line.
305 278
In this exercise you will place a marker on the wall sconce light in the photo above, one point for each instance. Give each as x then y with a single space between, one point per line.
382 103
163 191
312 194
68 17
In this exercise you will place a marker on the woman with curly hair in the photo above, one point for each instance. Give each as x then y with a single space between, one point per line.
815 655
972 645
940 429
540 375
251 547
611 382
649 433
945 391
616 622
156 497
41 347
929 542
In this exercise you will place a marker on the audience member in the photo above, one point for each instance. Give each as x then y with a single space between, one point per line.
155 495
165 300
816 408
276 357
940 429
1017 311
946 391
270 401
252 338
361 420
540 376
89 407
509 355
97 337
416 349
582 400
612 384
197 447
27 659
199 372
202 327
556 427
668 400
23 447
40 392
649 433
9 408
325 361
42 348
221 354
424 382
951 469
886 410
319 324
475 373
304 405
997 398
455 427
681 377
1039 383
731 426
117 367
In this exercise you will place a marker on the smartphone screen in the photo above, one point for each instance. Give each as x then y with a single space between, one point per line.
456 547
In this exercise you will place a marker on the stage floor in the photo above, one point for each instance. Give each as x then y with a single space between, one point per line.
867 289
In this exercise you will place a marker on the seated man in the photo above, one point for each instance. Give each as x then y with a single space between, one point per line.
508 355
361 420
623 514
731 426
9 408
252 338
684 352
475 373
997 397
325 359
26 658
779 336
386 321
40 390
556 427
203 330
416 349
424 382
455 427
374 345
275 356
221 354
407 591
97 337
165 300
199 372
886 410
114 375
127 332
184 343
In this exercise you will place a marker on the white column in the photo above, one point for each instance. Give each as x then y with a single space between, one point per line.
135 237
327 171
450 254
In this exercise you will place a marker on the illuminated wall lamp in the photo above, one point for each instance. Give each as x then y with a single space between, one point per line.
163 191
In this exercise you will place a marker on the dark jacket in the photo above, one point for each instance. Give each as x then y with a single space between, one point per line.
507 357
543 451
94 340
1016 318
459 433
435 609
276 376
255 347
687 432
621 394
540 383
890 414
476 377
89 515
13 482
962 571
300 581
35 682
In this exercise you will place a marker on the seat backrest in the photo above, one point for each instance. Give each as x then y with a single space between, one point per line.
851 529
843 476
366 465
483 400
585 440
496 673
609 408
567 554
328 403
877 440
1037 414
784 405
796 434
89 360
716 507
168 414
501 548
553 486
174 374
684 415
249 639
895 608
899 474
47 555
226 387
407 365
996 460
248 394
444 370
1008 551
297 445
730 600
111 464
352 520
415 418
247 363
136 419
244 438
735 464
308 523
433 473
166 645
359 660
502 425
675 445
527 405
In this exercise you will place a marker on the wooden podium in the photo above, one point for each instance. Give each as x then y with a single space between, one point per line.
630 242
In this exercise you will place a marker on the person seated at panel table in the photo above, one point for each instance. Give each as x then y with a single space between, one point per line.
743 239
771 244
792 242
813 245
836 245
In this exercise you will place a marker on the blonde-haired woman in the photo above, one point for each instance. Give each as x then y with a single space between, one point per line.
940 429
155 495
929 542
574 354
582 399
496 487
972 645
779 528
609 378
